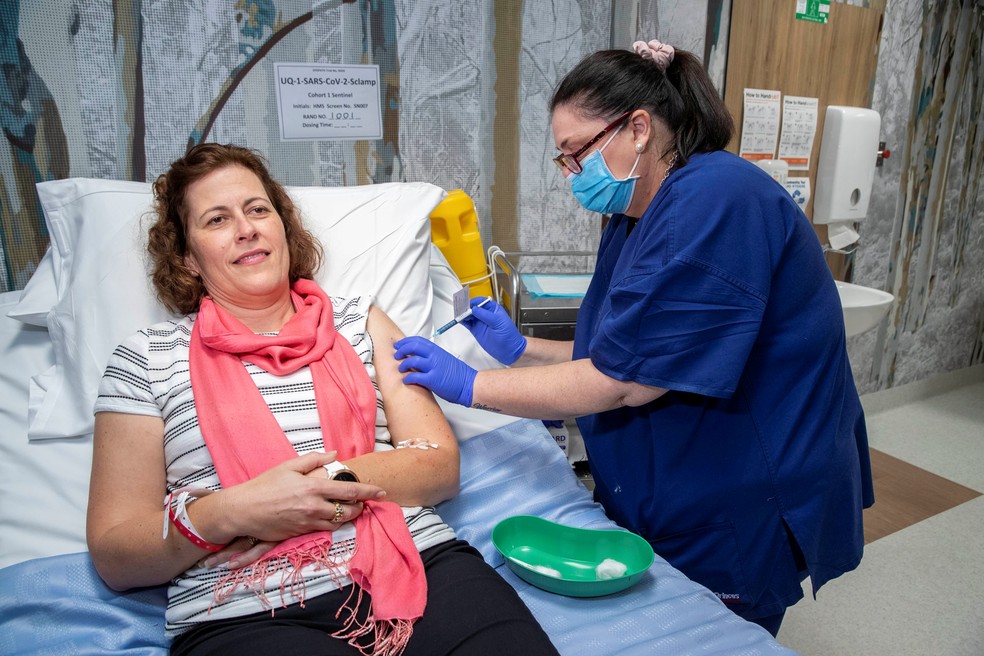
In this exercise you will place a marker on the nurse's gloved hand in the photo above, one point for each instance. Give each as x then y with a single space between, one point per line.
432 367
495 331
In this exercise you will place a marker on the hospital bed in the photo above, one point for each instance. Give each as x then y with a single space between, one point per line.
91 290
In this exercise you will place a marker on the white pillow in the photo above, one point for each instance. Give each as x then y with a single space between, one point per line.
103 293
39 296
376 240
466 422
43 485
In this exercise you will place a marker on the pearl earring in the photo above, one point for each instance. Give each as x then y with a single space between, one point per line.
638 147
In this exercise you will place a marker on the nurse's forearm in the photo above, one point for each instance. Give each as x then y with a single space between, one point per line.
545 351
569 389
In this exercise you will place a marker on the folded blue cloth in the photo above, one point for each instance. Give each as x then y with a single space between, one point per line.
556 285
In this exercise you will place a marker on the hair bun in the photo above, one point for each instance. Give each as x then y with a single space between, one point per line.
659 52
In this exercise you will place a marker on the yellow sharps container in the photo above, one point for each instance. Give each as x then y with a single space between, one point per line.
454 229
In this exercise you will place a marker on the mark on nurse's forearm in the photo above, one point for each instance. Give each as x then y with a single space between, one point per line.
482 406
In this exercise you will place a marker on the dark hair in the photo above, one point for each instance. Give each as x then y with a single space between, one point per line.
611 82
177 287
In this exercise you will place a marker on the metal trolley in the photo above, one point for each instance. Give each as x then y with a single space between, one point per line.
549 317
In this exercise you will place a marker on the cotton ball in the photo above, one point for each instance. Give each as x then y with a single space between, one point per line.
549 571
610 569
542 569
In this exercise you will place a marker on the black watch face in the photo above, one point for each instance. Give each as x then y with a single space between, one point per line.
345 476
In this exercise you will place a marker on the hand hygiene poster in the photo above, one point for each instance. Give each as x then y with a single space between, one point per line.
799 125
760 127
325 101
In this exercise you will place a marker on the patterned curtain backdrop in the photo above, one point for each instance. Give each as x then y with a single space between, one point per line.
561 33
937 251
119 88
147 79
35 150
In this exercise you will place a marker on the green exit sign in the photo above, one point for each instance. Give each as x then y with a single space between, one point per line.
815 11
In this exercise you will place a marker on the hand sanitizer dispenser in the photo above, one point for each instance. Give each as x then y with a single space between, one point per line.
846 170
777 168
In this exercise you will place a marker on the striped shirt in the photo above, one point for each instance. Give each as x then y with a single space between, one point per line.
148 375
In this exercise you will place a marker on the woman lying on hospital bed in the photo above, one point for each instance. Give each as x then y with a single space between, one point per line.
291 469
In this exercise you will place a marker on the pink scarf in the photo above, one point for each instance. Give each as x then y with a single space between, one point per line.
244 440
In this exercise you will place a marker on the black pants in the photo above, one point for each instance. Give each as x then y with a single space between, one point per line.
471 610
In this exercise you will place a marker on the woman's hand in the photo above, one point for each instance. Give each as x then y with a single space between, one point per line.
246 550
495 331
293 498
239 553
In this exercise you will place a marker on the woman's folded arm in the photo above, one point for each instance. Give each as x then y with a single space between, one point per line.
126 514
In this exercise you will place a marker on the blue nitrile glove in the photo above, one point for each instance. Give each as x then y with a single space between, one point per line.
432 367
495 331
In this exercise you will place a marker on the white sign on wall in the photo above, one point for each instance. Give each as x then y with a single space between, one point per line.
760 124
799 125
327 101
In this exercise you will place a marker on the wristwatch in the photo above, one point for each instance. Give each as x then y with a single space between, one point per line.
337 471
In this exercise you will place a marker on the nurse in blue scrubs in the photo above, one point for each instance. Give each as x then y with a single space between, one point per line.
708 372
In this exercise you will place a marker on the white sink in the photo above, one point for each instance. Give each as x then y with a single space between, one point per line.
863 307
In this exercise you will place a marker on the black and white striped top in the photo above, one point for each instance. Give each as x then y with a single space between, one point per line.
148 375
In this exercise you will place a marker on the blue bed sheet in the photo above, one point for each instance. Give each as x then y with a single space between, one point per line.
59 605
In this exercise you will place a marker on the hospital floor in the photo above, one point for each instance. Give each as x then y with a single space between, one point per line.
920 587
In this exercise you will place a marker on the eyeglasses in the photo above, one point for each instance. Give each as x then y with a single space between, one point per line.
571 163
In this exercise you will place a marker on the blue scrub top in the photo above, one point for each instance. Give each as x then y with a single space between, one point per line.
757 457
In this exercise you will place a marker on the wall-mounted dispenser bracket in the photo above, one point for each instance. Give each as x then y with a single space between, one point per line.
883 153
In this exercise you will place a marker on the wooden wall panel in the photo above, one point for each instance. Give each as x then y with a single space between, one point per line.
854 44
835 63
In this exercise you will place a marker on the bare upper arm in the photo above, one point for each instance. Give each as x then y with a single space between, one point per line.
128 469
638 394
411 410
621 392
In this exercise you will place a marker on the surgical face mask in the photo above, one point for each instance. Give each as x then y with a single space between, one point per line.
597 189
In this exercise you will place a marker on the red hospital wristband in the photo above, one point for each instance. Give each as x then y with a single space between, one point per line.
177 514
